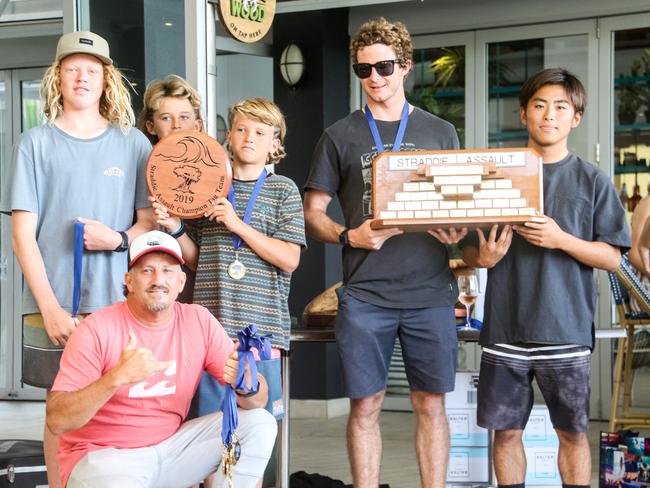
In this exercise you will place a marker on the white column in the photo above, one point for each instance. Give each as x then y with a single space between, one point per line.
69 16
199 55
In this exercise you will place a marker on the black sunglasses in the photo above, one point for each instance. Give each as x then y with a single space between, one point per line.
383 68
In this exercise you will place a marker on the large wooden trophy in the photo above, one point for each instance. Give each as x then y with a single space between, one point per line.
417 191
187 172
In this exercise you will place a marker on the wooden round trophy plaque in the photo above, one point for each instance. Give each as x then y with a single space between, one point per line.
187 171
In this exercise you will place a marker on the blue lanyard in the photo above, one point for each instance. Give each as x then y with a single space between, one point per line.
78 265
248 213
400 130
247 338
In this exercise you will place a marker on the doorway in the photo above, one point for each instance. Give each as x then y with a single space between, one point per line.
243 71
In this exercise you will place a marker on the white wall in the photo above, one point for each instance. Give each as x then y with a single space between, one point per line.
437 16
242 76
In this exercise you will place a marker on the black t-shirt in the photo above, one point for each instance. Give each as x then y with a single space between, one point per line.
544 295
410 270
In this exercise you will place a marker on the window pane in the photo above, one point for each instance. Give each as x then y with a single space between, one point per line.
437 84
510 64
32 106
17 10
632 115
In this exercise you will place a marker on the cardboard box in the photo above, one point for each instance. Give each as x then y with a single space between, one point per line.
463 430
468 464
539 429
541 446
541 466
465 391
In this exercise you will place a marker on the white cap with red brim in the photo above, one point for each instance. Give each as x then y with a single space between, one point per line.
154 241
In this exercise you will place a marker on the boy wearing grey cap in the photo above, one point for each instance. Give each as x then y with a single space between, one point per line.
84 164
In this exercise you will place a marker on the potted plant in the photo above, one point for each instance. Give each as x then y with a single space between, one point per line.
628 101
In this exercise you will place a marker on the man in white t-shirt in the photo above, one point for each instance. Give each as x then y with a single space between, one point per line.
127 377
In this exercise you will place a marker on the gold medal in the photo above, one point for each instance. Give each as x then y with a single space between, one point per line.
229 458
236 269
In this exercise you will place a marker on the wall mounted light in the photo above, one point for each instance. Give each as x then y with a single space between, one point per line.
292 64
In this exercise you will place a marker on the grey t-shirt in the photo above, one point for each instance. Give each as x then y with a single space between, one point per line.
538 295
59 178
411 270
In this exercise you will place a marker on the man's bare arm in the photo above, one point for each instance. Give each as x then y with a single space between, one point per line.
320 226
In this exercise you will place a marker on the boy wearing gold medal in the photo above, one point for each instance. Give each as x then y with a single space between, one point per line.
247 245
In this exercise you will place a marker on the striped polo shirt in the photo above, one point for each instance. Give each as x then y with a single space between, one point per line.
260 297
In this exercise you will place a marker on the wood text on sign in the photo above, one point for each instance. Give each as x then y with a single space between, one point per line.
246 20
422 190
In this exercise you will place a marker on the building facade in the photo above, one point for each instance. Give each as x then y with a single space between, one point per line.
470 61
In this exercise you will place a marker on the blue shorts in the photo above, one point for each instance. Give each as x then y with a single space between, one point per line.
210 393
365 337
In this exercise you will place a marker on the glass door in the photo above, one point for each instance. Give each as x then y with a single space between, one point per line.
514 54
624 56
20 110
6 290
442 71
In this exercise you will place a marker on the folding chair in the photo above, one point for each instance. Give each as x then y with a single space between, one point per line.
626 284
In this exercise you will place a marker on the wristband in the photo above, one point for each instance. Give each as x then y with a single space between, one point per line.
178 232
124 245
343 237
249 394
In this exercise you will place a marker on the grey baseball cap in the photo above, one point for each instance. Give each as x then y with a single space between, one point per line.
83 42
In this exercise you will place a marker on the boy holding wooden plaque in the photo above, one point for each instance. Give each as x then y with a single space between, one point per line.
540 299
246 246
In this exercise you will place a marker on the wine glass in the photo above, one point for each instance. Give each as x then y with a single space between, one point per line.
468 293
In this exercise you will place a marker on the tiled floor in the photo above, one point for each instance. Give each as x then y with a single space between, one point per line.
317 445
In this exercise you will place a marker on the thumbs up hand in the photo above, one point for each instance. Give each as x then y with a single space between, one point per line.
137 363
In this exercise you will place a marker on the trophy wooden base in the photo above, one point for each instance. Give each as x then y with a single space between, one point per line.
418 191
423 225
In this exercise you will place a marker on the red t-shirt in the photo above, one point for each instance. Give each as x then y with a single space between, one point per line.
148 412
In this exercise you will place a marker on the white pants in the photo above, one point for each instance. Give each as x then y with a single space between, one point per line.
186 458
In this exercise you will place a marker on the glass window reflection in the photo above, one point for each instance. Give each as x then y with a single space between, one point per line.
437 84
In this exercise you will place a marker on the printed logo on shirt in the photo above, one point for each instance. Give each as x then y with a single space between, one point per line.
161 388
114 171
366 174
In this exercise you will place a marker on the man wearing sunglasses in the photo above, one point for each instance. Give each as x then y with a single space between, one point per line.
396 284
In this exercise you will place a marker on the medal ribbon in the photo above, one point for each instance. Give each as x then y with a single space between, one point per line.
247 338
248 213
78 265
400 130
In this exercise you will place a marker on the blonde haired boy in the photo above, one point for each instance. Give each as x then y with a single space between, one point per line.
84 164
169 104
243 267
